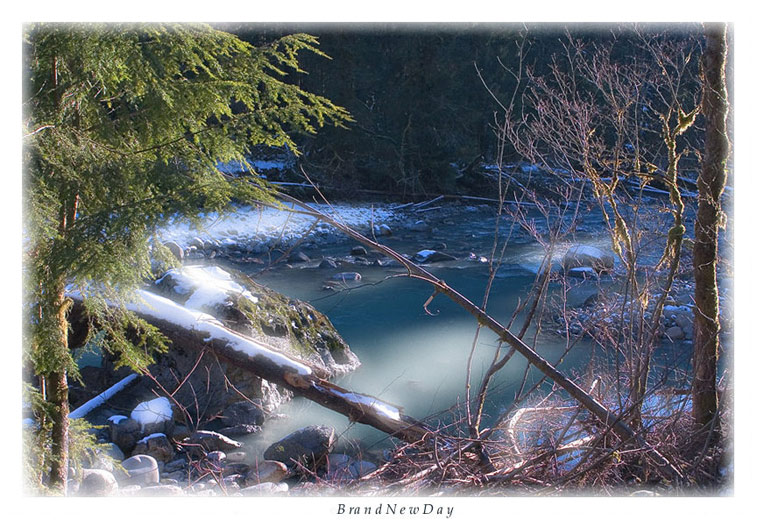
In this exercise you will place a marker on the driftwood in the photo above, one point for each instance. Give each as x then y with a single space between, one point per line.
357 407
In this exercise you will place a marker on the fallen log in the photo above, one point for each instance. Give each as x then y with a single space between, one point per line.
202 332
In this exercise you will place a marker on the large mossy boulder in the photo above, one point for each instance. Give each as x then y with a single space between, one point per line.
206 388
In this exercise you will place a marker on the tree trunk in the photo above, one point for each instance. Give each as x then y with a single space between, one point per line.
710 184
57 386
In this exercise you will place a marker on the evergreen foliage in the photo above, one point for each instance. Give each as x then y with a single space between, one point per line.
124 127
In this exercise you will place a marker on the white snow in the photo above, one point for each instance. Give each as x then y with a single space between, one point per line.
165 309
211 286
263 225
151 436
116 419
424 254
150 412
101 398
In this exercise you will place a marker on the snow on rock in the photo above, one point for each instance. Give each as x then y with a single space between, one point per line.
165 309
209 286
116 419
152 412
256 225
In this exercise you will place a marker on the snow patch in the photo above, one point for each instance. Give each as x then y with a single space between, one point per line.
151 412
387 410
116 419
211 286
151 436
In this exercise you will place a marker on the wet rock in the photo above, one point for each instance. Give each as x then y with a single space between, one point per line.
197 243
236 456
308 445
588 256
217 458
358 251
427 256
243 412
582 295
298 258
382 230
328 263
347 277
176 465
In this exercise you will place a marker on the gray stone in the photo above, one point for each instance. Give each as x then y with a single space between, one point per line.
176 465
347 277
308 445
175 249
298 258
266 488
124 432
197 242
675 333
97 483
327 263
360 468
243 412
582 295
141 470
267 471
236 456
216 457
588 256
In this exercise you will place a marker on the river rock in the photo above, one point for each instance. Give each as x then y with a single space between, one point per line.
211 441
141 470
298 258
588 256
243 412
675 333
419 225
382 230
97 483
328 263
309 445
175 249
124 432
267 471
155 445
198 243
347 277
582 294
427 256
358 251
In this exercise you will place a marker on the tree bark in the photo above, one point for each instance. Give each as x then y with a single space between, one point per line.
710 184
57 386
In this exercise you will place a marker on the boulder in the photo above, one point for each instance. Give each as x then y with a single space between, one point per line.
175 249
124 432
308 445
584 273
141 470
588 256
328 263
155 416
243 412
97 483
155 445
675 333
382 230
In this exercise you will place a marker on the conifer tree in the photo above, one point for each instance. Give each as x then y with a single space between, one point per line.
124 126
